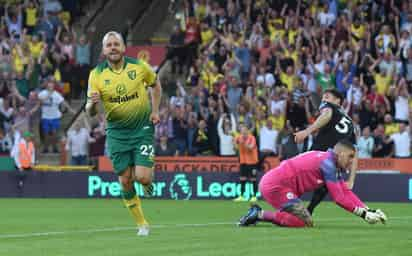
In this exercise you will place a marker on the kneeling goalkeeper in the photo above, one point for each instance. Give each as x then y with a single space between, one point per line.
281 187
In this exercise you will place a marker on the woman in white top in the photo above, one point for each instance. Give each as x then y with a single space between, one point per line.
226 128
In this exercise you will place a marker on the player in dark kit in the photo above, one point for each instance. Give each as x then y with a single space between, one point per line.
332 125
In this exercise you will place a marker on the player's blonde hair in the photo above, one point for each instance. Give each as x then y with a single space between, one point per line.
112 33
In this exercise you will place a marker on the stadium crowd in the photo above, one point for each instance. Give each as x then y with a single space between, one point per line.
266 63
44 63
254 62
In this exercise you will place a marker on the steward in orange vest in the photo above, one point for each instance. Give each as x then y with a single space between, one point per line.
248 158
25 153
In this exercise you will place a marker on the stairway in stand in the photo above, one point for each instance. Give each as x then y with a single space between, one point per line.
56 158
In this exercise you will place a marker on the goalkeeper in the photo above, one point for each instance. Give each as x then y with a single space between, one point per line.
281 187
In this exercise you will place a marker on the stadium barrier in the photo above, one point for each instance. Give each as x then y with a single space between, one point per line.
63 168
180 185
231 164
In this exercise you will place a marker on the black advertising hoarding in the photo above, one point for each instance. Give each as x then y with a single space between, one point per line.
180 186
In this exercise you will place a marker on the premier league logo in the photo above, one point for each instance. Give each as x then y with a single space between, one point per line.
132 74
180 188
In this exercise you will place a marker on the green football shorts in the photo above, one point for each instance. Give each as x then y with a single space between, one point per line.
128 148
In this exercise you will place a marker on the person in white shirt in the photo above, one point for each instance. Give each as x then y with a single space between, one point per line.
354 94
402 141
325 18
77 143
226 128
267 140
365 144
401 98
277 103
179 99
50 101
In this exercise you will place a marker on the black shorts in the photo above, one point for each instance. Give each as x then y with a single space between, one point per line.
248 170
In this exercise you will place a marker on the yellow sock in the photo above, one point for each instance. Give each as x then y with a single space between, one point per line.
134 206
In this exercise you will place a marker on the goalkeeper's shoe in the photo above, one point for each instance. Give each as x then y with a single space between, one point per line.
251 217
300 211
148 189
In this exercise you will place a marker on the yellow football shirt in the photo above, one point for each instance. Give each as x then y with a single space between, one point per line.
35 48
31 16
288 80
382 83
207 37
276 34
124 93
278 122
292 34
293 55
358 32
19 62
391 128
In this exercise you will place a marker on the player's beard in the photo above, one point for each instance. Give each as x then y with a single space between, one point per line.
115 59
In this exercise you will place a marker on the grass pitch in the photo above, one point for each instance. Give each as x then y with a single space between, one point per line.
99 227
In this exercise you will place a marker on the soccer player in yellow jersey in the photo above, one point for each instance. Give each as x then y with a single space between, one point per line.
121 84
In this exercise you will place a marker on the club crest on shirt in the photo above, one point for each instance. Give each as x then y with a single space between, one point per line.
106 82
132 74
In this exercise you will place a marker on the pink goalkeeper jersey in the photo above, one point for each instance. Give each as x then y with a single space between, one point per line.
307 172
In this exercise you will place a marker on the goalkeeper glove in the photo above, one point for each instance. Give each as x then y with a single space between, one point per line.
370 215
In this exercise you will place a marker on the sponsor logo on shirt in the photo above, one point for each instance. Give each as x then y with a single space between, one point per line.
122 99
290 195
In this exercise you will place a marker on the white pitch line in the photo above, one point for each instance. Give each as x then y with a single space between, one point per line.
53 233
160 226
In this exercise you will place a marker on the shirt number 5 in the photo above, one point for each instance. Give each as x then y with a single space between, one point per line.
343 125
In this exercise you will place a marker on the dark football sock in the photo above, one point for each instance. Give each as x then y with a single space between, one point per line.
242 187
317 197
255 187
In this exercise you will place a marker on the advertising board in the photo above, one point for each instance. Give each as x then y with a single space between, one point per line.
180 186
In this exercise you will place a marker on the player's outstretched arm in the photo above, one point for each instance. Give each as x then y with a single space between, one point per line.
350 202
345 198
352 175
371 216
322 120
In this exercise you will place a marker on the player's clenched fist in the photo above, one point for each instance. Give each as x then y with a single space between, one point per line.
95 97
154 117
301 136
